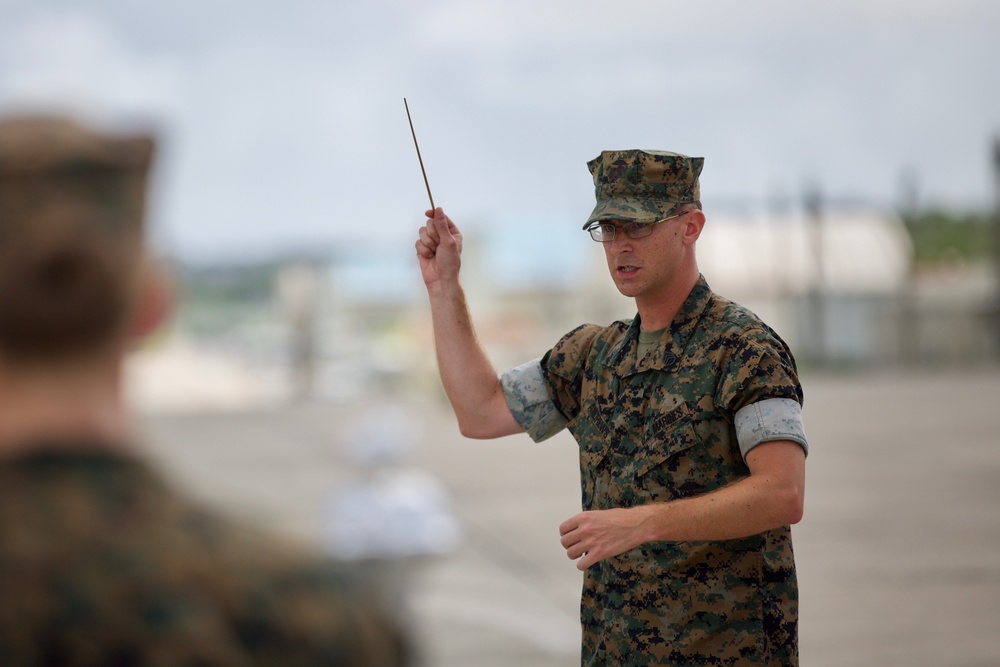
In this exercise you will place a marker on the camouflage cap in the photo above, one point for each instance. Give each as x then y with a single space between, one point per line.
643 186
57 177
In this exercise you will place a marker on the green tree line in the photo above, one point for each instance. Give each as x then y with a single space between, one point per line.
944 237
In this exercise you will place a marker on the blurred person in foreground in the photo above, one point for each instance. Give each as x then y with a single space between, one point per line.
692 448
101 562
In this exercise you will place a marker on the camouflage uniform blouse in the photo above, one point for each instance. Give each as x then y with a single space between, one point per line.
102 565
658 429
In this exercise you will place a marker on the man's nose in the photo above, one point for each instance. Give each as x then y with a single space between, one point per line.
621 240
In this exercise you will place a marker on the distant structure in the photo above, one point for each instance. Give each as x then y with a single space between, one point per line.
298 287
839 284
829 281
996 239
813 344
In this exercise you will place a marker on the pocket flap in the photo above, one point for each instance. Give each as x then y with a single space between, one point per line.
665 437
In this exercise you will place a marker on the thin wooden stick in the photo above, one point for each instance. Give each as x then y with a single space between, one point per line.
429 195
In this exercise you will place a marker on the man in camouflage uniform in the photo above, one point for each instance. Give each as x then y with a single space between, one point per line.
102 564
692 449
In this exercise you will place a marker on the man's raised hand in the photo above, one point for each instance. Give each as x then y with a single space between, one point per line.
439 248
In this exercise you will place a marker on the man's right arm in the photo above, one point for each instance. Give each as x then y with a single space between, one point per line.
468 376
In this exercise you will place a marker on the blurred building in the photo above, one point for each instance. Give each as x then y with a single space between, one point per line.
832 283
839 285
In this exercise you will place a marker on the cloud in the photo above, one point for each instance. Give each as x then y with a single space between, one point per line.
76 61
286 125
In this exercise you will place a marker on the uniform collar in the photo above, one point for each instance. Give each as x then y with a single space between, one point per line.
667 355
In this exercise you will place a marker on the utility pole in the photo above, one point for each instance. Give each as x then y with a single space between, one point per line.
813 205
996 242
908 323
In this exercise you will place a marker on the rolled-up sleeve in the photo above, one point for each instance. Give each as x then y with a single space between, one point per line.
528 398
767 420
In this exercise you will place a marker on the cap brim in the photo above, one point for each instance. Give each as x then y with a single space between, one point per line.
634 209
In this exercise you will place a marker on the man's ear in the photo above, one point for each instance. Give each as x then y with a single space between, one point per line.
694 223
154 301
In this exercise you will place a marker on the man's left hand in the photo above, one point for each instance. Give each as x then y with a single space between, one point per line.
600 534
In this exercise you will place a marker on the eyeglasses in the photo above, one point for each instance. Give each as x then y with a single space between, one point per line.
604 232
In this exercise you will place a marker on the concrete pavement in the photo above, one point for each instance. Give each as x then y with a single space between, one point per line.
898 554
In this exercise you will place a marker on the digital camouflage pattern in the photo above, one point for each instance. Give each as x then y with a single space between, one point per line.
658 429
642 185
101 565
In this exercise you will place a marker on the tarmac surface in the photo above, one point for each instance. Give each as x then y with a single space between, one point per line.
898 554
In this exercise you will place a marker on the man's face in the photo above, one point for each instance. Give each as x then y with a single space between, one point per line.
647 268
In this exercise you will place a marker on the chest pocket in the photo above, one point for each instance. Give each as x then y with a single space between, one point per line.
645 456
666 437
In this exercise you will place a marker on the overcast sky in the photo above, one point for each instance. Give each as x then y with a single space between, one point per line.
283 125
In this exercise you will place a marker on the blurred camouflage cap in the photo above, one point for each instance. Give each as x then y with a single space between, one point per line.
57 177
643 186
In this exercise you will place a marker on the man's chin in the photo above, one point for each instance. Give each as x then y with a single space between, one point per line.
627 290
